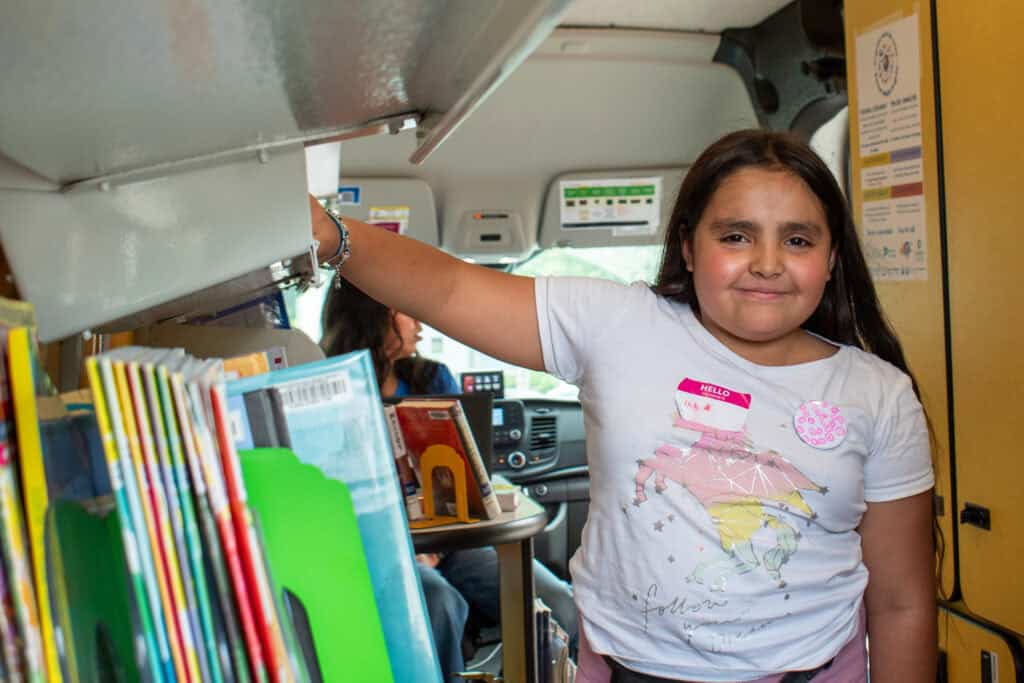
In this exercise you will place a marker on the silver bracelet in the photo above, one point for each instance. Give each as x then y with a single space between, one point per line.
343 252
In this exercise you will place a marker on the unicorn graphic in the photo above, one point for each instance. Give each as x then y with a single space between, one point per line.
738 485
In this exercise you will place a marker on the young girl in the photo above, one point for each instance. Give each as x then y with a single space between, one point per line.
756 447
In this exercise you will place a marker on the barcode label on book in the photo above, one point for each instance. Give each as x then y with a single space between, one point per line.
316 391
439 415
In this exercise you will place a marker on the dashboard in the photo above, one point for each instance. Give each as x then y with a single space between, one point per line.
540 444
535 436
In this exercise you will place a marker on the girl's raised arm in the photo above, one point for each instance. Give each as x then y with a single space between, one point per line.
488 310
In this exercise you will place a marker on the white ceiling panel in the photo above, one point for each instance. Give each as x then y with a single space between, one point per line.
711 16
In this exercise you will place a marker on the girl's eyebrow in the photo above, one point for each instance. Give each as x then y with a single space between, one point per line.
810 227
723 224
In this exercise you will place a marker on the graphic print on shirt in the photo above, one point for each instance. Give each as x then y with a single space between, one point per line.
737 484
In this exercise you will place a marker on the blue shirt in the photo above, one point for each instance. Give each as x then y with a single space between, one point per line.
443 383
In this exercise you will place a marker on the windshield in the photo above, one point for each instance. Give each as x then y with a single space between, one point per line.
621 264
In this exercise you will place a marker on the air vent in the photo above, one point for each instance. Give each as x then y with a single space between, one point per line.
543 433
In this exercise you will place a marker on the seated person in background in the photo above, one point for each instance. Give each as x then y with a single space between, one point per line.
351 320
452 582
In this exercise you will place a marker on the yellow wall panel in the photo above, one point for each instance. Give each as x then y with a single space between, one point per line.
964 641
915 307
980 57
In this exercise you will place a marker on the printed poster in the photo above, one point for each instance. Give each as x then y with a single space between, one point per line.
629 206
892 169
392 218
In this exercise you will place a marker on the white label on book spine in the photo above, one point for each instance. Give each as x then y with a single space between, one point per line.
316 391
235 425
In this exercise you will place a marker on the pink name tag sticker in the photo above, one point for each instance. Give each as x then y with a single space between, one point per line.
712 405
820 424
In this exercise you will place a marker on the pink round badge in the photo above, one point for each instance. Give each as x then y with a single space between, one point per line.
820 424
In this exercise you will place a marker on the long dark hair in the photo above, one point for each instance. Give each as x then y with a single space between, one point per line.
352 320
849 311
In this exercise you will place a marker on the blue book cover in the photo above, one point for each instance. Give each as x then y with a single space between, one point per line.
73 453
336 422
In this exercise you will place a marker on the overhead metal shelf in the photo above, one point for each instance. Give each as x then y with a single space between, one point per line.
154 150
87 93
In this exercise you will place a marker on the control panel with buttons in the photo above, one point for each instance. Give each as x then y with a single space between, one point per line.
522 438
493 382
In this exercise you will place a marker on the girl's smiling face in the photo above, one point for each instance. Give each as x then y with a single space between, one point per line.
760 257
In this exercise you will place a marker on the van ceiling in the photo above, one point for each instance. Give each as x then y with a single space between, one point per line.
711 16
586 100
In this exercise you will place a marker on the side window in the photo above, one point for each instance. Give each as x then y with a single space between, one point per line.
832 143
304 308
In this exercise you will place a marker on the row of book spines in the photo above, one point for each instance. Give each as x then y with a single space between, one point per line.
138 507
258 582
249 585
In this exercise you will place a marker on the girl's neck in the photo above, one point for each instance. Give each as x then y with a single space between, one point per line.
390 384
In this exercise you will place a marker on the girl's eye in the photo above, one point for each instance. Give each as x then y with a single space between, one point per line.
799 242
735 238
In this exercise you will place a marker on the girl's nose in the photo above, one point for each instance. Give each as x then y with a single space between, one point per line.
767 261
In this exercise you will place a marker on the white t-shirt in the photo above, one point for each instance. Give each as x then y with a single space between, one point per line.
720 545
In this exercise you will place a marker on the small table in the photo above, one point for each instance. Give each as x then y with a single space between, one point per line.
511 534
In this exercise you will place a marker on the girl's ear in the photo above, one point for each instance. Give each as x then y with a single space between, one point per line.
688 255
831 263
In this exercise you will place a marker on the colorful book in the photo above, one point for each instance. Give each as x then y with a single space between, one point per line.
140 522
429 422
17 562
192 538
129 534
195 642
407 478
168 612
247 365
210 459
231 652
26 384
133 545
162 516
250 549
336 423
11 667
